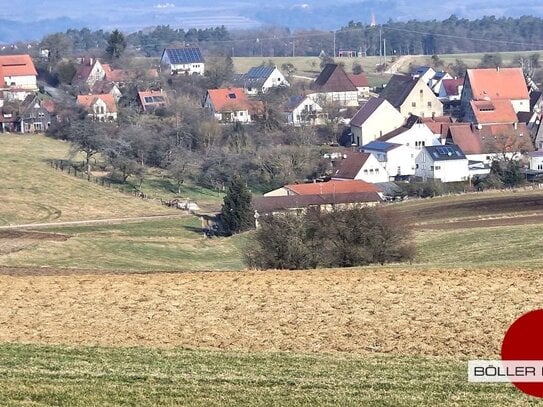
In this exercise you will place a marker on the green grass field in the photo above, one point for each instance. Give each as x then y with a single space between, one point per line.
83 376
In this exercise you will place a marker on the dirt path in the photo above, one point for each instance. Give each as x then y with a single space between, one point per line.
89 222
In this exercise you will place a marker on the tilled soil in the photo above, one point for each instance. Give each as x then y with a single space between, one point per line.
361 311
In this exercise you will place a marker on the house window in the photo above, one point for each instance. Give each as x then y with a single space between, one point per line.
540 167
416 166
365 171
429 104
437 167
413 104
377 170
431 167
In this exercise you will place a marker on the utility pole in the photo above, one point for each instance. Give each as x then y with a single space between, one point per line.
385 50
334 43
293 47
380 45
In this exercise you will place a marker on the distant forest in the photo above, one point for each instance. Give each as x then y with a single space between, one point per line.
453 35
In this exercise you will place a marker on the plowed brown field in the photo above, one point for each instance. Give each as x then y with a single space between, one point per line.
362 311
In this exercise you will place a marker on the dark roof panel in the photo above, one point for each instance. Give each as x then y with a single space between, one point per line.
187 55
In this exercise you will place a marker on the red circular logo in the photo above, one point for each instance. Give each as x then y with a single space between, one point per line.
524 341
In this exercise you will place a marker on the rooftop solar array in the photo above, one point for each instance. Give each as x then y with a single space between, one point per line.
186 55
260 72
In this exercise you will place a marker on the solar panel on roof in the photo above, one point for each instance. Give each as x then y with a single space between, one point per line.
184 55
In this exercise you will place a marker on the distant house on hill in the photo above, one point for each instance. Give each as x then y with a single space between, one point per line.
374 119
88 72
100 107
261 79
397 159
411 96
334 86
183 61
230 105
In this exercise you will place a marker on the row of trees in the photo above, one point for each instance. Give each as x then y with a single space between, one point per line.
453 35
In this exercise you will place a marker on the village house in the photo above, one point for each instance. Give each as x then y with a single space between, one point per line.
444 163
302 110
359 166
320 188
411 96
260 79
105 86
535 161
450 90
88 72
231 105
413 134
183 61
151 100
333 86
35 115
484 144
397 159
374 119
100 107
360 81
490 85
318 195
17 77
424 73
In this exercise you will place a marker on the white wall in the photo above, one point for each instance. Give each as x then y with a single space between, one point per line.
521 105
383 120
445 170
416 137
343 98
25 82
274 80
372 171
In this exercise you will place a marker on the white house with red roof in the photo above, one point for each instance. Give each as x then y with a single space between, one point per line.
17 76
100 107
230 105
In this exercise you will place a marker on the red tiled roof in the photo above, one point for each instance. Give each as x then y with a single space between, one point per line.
360 80
495 138
49 105
503 83
89 100
493 111
332 187
229 99
451 86
17 65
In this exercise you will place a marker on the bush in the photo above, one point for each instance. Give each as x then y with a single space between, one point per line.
341 238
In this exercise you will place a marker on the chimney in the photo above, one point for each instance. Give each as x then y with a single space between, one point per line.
498 68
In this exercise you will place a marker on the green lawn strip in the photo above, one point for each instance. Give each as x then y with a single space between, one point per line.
82 376
500 246
151 245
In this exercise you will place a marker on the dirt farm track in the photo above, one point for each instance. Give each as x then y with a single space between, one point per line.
362 311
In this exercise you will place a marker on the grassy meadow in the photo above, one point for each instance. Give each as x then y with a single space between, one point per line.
58 375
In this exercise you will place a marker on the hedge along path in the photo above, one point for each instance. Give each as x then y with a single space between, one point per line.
460 313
